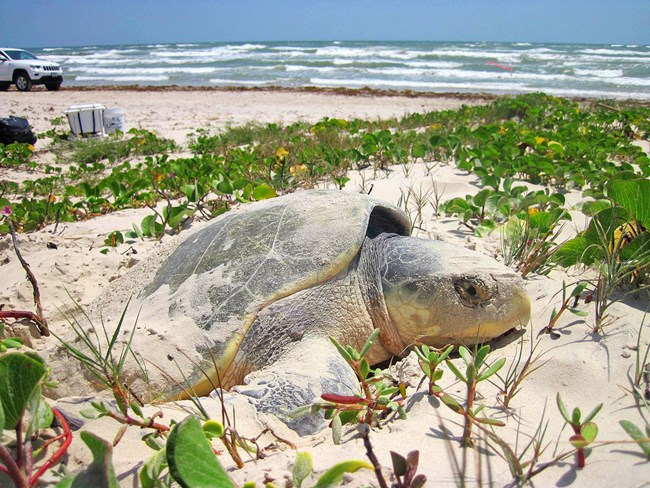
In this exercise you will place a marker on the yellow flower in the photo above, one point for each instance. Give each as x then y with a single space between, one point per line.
297 169
281 153
540 140
31 147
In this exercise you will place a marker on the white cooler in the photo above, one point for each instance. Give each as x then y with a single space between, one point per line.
86 120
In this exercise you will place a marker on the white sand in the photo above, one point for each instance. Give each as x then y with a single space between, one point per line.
175 113
586 369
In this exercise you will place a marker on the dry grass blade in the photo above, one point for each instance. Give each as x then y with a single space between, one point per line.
515 375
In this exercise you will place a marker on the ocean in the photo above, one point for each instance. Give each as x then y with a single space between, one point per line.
574 70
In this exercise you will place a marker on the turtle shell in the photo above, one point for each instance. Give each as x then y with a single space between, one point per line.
209 290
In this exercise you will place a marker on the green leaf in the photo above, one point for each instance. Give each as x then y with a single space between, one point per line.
591 208
593 413
496 366
42 414
562 408
20 376
190 192
424 366
589 431
575 416
135 406
399 463
153 441
633 195
578 441
137 230
456 371
422 352
489 421
574 251
12 342
337 425
452 403
578 312
444 354
192 463
302 467
114 239
352 352
466 355
481 354
152 469
577 291
348 417
369 343
91 413
263 192
98 473
176 215
213 429
419 151
342 351
148 225
364 369
334 475
636 434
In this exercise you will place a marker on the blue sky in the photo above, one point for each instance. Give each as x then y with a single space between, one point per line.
50 23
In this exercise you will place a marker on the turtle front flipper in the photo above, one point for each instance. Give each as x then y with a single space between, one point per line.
298 378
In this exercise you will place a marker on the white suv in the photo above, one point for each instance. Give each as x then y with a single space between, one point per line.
23 69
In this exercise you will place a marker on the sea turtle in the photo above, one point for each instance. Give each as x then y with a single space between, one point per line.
258 291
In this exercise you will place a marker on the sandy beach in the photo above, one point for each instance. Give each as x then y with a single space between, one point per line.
175 112
585 368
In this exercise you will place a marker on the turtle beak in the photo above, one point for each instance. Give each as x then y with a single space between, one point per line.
518 315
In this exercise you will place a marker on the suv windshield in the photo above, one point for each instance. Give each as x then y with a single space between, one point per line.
17 55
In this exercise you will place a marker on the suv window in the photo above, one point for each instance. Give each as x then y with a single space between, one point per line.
18 55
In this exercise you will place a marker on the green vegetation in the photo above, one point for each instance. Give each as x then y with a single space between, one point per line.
24 411
476 371
511 145
378 397
584 431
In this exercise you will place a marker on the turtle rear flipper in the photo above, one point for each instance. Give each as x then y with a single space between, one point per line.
298 379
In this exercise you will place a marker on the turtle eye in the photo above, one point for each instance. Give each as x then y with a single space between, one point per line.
472 292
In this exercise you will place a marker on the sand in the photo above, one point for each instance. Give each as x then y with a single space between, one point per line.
585 368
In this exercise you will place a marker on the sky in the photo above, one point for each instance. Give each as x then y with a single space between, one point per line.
52 23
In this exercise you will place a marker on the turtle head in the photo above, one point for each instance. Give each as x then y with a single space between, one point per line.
437 293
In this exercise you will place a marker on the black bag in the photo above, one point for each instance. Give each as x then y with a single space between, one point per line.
16 129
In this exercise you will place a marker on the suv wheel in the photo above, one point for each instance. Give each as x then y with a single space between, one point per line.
52 86
22 81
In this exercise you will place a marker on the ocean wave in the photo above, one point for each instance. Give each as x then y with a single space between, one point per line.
144 71
226 82
429 85
600 73
122 78
613 52
599 70
503 88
